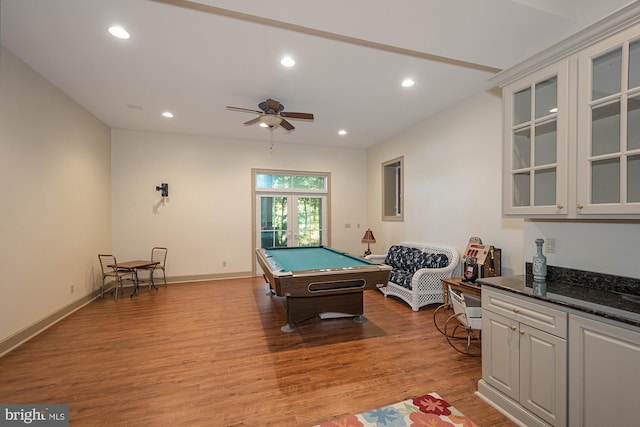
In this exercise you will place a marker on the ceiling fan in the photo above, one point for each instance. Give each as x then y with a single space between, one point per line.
272 114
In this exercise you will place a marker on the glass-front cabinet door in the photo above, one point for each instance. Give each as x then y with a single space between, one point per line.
609 127
536 138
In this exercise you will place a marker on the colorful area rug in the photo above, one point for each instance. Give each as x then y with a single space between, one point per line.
429 410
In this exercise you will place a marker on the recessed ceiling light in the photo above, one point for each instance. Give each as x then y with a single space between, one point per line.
408 83
342 132
167 114
119 32
288 61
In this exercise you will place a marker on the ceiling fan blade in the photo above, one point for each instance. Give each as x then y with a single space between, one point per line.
297 116
285 124
243 110
252 121
274 105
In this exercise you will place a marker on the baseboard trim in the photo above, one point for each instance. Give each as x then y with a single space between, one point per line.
207 277
20 337
24 335
507 407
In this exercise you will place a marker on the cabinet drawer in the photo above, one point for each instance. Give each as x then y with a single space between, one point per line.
527 311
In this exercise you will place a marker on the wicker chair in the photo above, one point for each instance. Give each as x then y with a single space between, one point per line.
424 286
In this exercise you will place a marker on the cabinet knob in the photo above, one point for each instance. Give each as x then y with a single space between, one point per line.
579 206
513 328
516 310
521 332
559 206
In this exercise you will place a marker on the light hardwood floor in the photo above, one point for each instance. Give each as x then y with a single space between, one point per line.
212 354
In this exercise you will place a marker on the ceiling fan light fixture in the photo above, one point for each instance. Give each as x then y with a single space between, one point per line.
270 120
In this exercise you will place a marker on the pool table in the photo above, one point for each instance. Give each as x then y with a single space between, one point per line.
319 280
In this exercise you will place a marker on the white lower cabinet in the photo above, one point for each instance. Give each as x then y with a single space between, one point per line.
524 358
604 372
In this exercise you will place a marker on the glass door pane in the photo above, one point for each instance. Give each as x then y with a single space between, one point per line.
633 122
605 181
607 74
309 221
274 214
521 189
546 143
634 64
544 187
547 97
290 220
522 106
605 129
522 149
633 179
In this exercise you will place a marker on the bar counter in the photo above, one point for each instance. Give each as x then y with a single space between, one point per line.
615 305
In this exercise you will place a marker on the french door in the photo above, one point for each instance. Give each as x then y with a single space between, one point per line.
290 220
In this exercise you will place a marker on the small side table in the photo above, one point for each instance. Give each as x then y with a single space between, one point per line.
457 284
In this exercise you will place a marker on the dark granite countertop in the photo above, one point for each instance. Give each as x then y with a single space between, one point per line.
614 305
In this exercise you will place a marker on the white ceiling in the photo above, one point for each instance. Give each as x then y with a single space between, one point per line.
193 58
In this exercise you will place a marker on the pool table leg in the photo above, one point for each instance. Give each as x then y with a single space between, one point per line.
360 319
288 328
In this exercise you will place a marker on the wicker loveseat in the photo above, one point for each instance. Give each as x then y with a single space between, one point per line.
417 272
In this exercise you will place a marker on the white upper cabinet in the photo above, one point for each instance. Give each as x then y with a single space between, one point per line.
571 119
535 146
609 131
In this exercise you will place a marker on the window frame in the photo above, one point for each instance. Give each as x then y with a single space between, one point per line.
392 205
255 192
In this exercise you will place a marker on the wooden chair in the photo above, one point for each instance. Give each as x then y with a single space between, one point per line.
109 267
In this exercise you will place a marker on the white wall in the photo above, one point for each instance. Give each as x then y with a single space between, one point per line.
208 218
54 197
453 172
453 189
601 246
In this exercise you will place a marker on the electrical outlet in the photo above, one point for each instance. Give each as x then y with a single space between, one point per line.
550 246
224 263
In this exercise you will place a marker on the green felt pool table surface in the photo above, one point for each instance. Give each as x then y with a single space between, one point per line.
313 258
